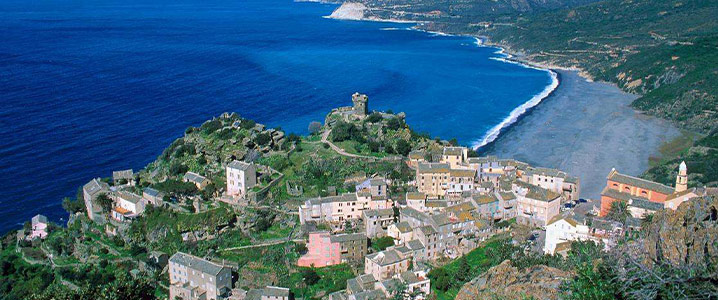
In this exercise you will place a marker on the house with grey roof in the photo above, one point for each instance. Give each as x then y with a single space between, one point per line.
195 278
123 177
377 221
241 178
153 196
385 264
269 293
90 192
198 180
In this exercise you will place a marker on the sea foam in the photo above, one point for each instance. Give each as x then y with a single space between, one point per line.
515 114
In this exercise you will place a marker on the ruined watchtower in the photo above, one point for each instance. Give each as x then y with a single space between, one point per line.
360 104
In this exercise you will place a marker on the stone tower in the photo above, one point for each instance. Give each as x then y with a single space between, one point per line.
682 178
360 104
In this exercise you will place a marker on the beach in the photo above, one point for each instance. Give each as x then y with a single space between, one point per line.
582 127
585 128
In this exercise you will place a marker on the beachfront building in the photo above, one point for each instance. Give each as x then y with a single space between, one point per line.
194 278
334 209
90 192
241 177
377 221
621 187
198 180
535 205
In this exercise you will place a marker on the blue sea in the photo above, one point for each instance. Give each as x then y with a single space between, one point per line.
88 87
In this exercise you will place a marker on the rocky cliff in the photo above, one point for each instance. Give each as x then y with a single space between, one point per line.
686 237
508 282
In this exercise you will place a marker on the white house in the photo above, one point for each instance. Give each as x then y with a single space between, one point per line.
241 177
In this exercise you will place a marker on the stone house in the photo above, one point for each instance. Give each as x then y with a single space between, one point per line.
385 264
536 205
123 177
456 157
334 209
377 221
241 178
620 187
90 192
198 180
194 278
153 196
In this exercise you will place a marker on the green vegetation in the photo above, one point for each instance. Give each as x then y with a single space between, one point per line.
380 244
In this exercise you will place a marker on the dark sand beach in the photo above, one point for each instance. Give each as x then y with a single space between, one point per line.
585 128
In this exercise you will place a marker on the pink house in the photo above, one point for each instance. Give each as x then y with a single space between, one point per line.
322 251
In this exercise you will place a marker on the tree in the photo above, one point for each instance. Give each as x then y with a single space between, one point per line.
403 147
105 202
463 273
73 206
380 244
374 117
263 139
440 279
395 123
310 276
247 124
453 142
315 127
618 211
300 248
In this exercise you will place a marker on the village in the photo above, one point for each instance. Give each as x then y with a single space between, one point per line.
393 231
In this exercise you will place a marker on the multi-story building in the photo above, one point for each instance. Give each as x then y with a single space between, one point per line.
376 186
325 249
334 209
456 157
432 179
321 251
193 278
241 177
385 264
460 180
127 205
553 180
90 192
536 205
377 221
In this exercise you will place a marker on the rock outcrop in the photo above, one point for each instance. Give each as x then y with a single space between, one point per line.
687 236
508 282
349 11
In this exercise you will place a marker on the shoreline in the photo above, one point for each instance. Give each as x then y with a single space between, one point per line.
582 126
355 12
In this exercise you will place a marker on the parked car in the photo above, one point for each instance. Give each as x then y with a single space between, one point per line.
582 200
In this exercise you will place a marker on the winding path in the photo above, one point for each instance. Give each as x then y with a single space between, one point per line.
340 151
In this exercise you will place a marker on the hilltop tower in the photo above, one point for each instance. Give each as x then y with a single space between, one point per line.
682 178
360 102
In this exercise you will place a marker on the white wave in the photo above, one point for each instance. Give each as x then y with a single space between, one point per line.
494 132
392 28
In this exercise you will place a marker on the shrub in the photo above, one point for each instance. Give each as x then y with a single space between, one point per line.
315 127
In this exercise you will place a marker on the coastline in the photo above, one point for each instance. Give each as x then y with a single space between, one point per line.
582 126
349 11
